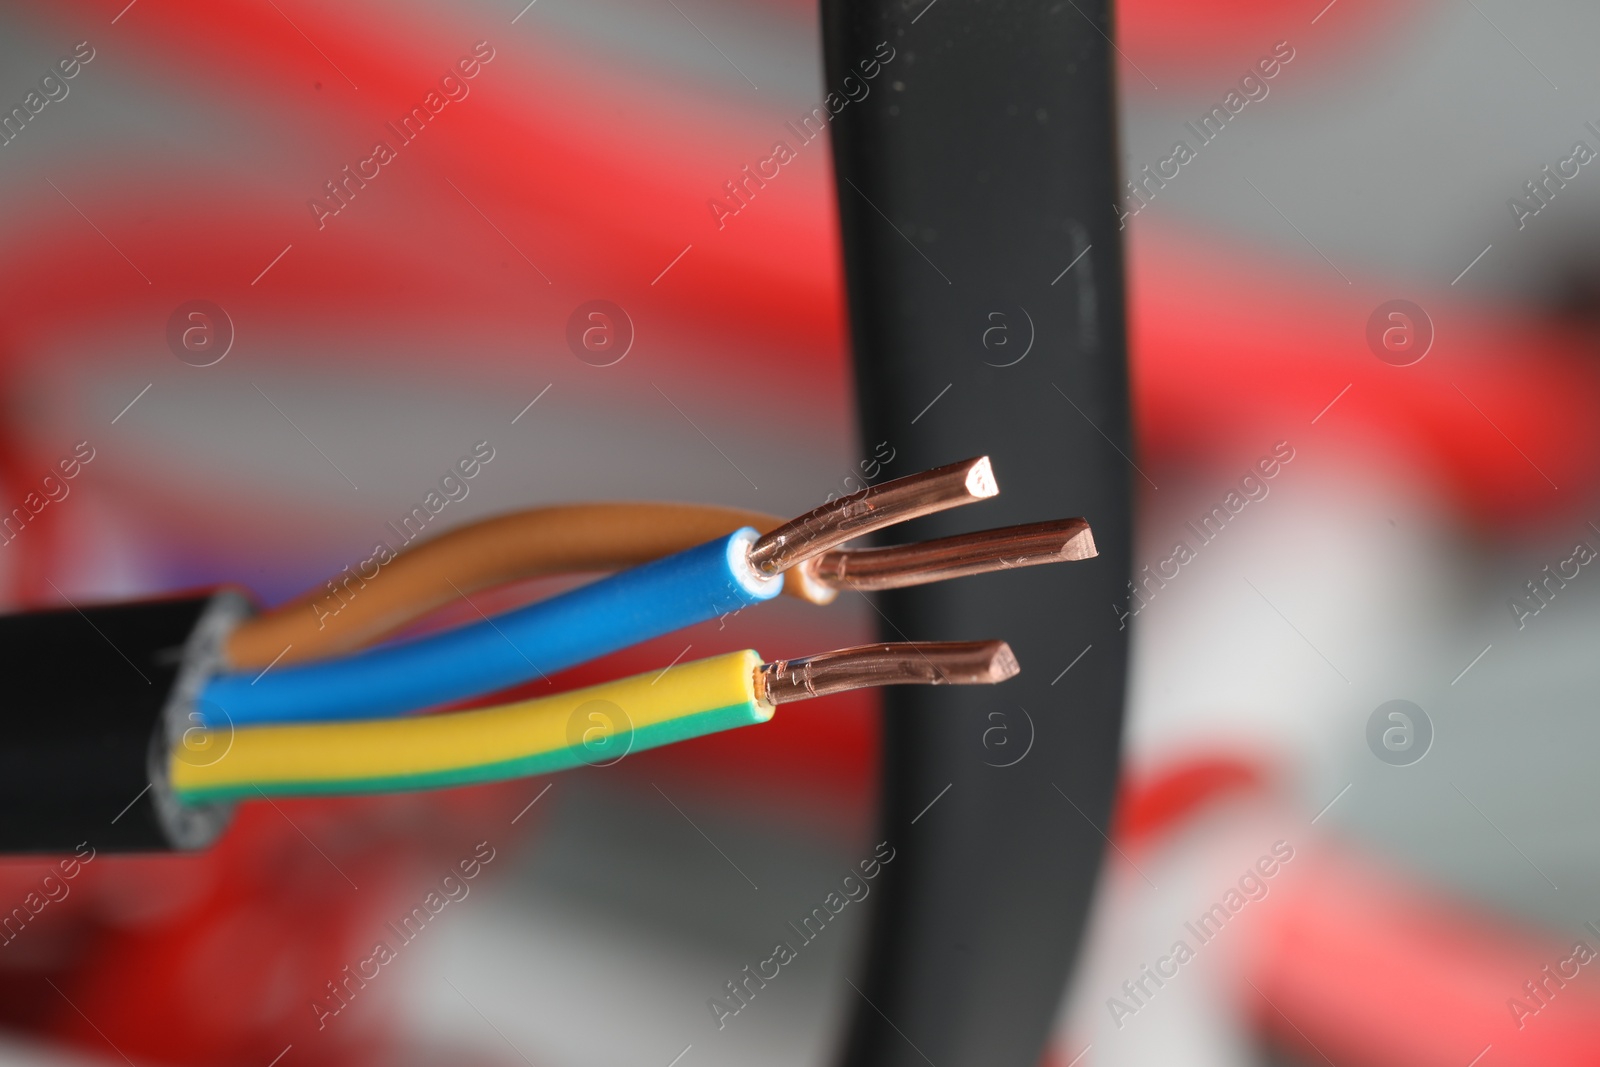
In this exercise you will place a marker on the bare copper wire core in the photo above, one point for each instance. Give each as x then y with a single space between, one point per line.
871 509
954 557
912 663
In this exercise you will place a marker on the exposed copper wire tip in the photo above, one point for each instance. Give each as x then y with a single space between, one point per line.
865 666
871 509
1029 545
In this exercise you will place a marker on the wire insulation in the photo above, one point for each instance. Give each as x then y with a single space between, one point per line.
536 640
526 544
596 724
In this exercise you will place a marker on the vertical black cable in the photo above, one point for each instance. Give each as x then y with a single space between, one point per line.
976 190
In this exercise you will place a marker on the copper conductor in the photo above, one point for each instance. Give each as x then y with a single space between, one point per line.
911 663
872 509
1056 541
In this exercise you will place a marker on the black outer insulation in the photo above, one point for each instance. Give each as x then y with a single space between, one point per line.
93 700
980 164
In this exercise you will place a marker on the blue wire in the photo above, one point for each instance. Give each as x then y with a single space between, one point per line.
540 639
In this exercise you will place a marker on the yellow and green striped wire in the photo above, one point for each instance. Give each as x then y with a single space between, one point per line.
530 737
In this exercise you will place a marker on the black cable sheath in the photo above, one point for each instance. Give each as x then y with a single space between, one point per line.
979 165
87 719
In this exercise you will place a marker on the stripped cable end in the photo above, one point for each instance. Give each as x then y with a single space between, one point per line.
980 479
873 508
898 566
867 666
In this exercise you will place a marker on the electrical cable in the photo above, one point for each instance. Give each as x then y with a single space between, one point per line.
564 539
180 717
557 732
717 578
576 538
536 640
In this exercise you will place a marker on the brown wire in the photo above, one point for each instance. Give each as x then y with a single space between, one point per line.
541 541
